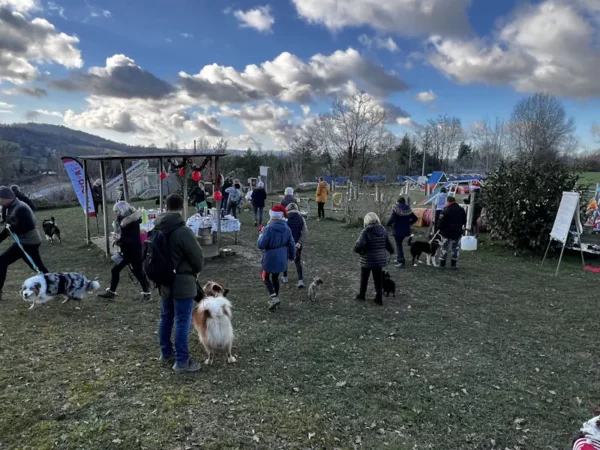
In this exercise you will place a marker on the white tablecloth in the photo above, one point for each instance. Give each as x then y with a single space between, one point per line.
227 225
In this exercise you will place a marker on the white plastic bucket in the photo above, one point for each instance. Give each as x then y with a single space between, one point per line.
468 243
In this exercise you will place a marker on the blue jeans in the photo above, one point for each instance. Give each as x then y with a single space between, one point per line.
258 214
179 313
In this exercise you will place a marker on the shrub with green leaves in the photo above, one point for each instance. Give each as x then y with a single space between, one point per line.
521 199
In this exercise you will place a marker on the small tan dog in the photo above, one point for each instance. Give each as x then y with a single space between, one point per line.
212 320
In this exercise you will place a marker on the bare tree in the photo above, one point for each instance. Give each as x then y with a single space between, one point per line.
539 128
172 146
301 158
354 130
489 142
202 144
446 135
220 146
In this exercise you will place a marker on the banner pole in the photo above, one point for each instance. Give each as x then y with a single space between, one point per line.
87 199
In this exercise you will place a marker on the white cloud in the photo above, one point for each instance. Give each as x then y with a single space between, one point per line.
405 17
552 47
259 18
186 35
380 43
305 110
409 123
59 9
106 13
289 79
45 112
20 5
426 96
4 105
24 43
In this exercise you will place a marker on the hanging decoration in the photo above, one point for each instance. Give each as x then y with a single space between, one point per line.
163 176
218 196
196 176
182 172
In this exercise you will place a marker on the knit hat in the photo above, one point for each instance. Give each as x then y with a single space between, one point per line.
278 212
6 193
292 207
476 185
289 191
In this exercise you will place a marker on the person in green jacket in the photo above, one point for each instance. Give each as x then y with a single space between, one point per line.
178 299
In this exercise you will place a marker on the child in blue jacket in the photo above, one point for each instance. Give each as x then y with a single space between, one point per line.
278 244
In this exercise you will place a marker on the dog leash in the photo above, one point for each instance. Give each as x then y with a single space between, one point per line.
18 242
434 236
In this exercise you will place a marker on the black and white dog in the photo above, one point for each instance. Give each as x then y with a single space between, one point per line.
430 249
389 286
42 288
51 230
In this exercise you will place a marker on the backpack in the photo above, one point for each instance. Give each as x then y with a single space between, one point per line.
157 262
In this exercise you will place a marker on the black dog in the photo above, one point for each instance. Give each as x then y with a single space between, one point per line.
389 286
51 230
429 248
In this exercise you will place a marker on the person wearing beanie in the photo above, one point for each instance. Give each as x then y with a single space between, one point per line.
97 196
297 224
17 191
402 218
288 197
127 237
259 195
278 244
20 221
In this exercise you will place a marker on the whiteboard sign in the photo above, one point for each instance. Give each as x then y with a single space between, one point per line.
264 171
569 208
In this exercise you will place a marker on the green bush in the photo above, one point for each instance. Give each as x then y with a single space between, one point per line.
521 199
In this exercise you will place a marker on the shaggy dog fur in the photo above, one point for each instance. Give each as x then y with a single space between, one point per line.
314 288
389 286
429 248
41 288
212 320
51 230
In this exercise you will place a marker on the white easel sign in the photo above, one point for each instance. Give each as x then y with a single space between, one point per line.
567 211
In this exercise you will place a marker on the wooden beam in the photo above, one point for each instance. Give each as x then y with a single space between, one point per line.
125 186
104 201
87 202
160 184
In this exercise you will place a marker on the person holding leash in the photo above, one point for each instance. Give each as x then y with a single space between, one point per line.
21 225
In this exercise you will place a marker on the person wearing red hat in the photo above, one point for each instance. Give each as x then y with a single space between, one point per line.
278 244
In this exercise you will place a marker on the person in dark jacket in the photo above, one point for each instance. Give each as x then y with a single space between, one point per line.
259 195
21 222
297 225
227 183
198 197
288 197
372 245
278 244
440 204
178 299
477 207
22 197
127 237
97 196
452 221
402 218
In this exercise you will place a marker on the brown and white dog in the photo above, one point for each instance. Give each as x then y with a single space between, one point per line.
212 320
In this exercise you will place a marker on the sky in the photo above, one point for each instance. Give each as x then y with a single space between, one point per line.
256 73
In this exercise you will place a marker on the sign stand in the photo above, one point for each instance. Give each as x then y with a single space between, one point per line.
567 211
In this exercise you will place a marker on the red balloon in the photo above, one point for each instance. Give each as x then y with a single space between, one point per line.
182 172
163 176
196 176
218 196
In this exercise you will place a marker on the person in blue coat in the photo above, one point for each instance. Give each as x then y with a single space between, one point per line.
278 244
402 218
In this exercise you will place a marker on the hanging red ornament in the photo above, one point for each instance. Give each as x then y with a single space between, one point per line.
218 196
163 176
182 172
196 176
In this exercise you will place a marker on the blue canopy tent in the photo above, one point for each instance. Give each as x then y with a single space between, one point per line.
373 178
336 180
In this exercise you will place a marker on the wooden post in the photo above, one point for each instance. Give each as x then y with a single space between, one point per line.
218 205
185 189
125 186
104 201
160 184
87 202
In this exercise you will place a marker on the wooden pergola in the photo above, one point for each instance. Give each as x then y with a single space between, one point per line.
185 158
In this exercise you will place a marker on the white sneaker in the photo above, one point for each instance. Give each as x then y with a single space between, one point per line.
284 279
273 302
300 284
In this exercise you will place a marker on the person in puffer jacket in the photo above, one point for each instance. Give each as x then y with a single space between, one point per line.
297 225
278 244
372 245
289 197
402 218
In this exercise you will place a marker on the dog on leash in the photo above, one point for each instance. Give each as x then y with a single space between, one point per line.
51 230
42 288
212 320
389 286
314 288
430 248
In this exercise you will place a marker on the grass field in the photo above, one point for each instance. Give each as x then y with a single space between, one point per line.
590 178
499 355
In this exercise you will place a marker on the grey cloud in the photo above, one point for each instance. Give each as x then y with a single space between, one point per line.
32 91
32 115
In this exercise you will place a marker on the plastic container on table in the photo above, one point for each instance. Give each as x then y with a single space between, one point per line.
468 243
